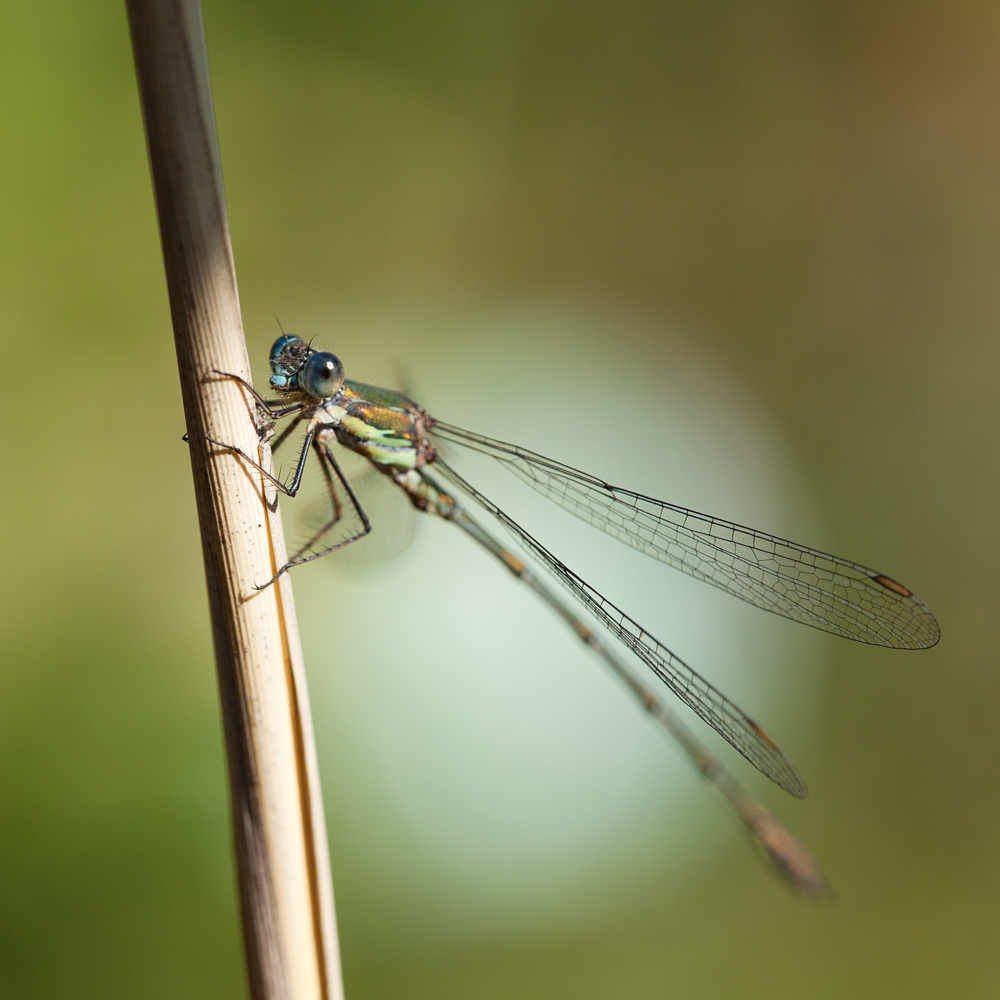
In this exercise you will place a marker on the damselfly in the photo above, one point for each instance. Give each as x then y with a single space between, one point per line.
398 438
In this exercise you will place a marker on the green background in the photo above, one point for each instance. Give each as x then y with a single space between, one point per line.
811 190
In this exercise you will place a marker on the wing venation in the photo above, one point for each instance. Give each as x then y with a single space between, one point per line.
792 580
723 715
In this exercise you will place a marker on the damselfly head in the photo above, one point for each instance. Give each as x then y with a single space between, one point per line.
297 367
288 355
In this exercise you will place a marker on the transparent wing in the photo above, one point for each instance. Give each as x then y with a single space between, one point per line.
726 718
393 520
792 580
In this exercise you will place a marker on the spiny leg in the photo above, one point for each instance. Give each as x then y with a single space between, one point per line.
326 456
338 507
268 404
788 856
300 468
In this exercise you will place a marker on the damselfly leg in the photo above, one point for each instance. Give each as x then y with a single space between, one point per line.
315 441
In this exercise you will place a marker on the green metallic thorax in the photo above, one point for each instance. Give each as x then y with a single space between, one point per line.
384 426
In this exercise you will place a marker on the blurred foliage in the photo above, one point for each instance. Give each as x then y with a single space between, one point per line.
810 189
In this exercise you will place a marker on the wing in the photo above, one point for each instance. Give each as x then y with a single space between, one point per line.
726 718
792 580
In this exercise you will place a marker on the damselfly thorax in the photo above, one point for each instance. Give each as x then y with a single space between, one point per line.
382 425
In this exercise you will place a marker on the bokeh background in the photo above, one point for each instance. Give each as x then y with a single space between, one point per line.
793 206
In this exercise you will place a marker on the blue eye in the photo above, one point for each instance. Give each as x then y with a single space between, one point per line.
322 375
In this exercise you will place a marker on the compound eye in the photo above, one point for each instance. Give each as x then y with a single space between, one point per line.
322 375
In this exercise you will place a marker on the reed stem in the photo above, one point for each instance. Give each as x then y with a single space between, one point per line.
280 837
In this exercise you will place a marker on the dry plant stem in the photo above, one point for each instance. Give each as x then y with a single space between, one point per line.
281 850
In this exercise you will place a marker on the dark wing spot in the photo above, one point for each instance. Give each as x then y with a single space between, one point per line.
890 584
765 736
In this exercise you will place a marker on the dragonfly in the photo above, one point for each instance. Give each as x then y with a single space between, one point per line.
402 441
